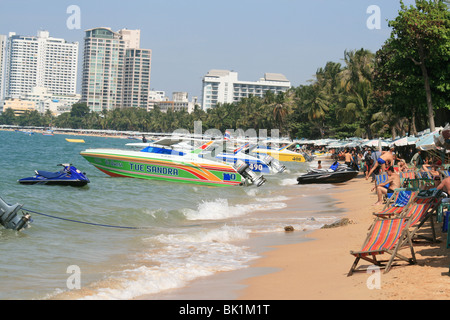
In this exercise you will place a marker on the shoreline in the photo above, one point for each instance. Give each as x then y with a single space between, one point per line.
314 266
317 270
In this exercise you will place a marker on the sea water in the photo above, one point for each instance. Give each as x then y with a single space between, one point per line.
124 238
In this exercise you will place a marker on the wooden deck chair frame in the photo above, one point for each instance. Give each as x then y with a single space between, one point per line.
385 236
405 178
418 219
384 239
390 209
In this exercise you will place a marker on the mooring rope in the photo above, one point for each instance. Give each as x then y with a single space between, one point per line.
82 222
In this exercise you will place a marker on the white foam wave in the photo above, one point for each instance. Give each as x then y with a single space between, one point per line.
288 182
221 209
181 259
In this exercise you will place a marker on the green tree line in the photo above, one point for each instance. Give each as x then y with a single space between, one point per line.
402 88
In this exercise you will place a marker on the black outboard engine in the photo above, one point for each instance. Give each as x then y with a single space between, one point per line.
9 218
244 170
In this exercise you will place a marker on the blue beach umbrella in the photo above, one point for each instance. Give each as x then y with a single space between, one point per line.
427 141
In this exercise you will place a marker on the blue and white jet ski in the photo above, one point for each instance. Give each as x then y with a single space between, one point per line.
67 176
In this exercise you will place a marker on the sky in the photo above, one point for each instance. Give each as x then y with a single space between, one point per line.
190 37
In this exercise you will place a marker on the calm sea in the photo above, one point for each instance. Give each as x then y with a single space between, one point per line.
185 232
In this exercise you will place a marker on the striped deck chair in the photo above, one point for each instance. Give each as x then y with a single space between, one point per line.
385 236
405 177
399 202
445 174
420 212
380 178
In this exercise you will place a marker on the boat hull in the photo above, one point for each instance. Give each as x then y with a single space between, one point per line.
282 156
61 182
143 165
330 177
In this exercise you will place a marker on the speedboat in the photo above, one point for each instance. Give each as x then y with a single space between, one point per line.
257 163
337 173
161 161
283 153
67 176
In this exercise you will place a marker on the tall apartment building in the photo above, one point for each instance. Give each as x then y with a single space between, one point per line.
3 39
116 72
136 84
223 86
101 85
38 61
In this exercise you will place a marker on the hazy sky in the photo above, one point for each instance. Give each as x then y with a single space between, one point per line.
190 37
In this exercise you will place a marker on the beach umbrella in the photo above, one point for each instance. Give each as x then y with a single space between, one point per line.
427 141
443 140
375 143
405 141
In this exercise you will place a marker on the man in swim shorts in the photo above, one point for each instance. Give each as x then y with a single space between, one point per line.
392 183
386 159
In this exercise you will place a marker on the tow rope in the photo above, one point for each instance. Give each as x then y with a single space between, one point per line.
82 222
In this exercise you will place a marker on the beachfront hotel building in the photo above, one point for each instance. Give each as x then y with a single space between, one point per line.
223 86
179 102
116 71
37 61
18 106
45 100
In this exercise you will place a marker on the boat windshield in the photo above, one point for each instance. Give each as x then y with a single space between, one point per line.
153 149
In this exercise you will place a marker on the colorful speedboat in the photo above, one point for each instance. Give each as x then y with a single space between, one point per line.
159 163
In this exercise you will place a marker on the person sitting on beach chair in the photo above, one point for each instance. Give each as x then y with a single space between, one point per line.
386 159
444 186
392 183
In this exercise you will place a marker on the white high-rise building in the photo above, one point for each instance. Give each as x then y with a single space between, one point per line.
3 39
39 61
223 86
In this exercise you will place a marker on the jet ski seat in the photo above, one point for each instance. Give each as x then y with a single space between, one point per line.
49 174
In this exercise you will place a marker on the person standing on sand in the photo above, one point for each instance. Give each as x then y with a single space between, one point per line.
417 160
386 159
348 158
392 183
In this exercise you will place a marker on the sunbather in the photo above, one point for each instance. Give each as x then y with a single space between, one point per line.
392 183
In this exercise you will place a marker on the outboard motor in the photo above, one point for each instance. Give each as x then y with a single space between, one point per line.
9 218
275 164
307 157
244 170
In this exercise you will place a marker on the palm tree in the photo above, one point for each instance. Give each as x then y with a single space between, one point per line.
315 105
282 108
356 83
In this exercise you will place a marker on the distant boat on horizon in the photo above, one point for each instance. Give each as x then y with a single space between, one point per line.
75 140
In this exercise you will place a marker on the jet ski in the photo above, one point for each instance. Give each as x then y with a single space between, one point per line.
337 173
67 176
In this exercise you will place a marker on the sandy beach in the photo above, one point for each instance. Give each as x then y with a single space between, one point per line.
318 269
